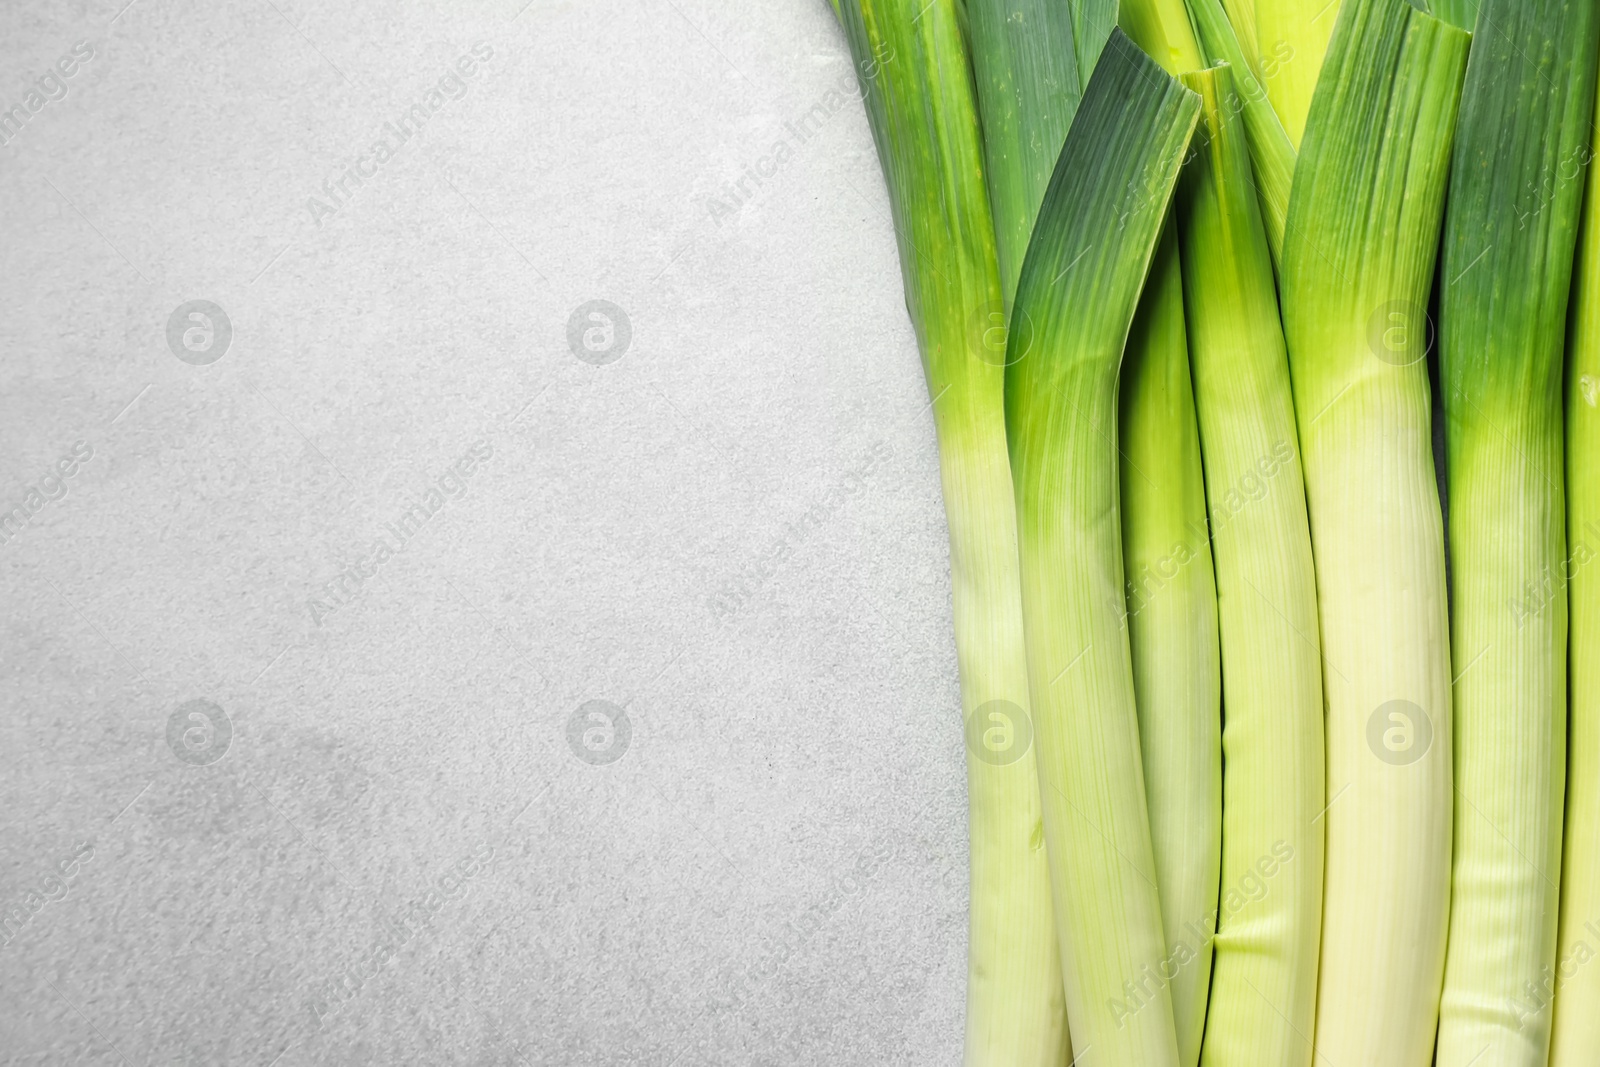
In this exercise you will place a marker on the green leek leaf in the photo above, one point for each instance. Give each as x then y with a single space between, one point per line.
1080 284
1026 64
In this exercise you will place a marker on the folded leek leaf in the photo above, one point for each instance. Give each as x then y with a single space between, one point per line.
1080 285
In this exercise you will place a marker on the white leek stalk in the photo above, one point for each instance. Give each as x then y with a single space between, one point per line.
1359 253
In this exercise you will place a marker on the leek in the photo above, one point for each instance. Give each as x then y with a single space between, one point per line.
1172 632
918 92
1172 596
1080 284
1263 990
1510 229
1359 253
1575 1041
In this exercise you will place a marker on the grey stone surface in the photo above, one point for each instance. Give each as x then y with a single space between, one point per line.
273 794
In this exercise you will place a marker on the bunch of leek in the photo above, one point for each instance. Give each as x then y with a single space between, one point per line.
1172 286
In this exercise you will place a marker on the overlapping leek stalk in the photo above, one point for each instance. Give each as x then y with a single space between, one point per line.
1080 284
1263 988
1463 13
1359 253
1172 597
912 65
1172 632
1510 228
1162 28
1291 40
1575 981
1241 15
1272 156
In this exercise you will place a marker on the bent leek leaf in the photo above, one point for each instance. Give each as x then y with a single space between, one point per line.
1172 597
1080 284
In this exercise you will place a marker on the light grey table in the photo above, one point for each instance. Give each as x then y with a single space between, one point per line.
636 741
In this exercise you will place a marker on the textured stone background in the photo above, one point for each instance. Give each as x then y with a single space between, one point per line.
399 832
